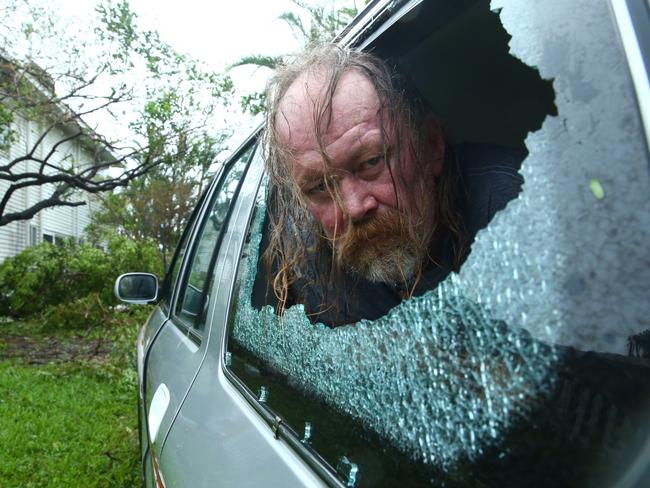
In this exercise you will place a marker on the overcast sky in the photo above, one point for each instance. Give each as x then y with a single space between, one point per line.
222 31
218 32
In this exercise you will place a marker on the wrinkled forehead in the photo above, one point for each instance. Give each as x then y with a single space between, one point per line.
306 104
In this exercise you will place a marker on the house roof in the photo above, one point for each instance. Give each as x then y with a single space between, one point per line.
70 121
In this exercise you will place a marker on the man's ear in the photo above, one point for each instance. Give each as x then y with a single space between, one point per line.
436 143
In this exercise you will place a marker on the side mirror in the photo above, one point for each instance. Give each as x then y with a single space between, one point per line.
138 288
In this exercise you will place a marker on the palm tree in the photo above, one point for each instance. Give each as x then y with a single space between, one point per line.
324 21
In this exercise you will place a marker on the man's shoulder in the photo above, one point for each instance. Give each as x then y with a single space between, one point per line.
491 178
478 160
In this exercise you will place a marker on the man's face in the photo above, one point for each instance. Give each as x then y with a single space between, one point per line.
365 223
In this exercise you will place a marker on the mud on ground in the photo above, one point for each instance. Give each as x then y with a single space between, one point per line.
43 350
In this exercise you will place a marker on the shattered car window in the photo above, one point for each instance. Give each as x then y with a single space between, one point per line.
531 364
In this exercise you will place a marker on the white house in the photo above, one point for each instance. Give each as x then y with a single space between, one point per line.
56 223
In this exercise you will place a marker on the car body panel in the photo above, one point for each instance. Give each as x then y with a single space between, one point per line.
222 429
173 361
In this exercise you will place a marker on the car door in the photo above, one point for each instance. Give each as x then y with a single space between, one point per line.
154 324
218 438
177 348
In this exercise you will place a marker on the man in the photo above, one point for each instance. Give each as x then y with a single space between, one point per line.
369 202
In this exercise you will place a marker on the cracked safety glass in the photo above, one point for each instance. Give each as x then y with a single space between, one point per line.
530 366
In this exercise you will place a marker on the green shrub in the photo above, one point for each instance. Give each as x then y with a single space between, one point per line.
46 275
92 311
82 313
31 279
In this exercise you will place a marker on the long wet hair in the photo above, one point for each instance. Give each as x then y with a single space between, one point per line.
293 255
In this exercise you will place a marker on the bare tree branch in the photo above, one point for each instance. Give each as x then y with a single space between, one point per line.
34 209
115 71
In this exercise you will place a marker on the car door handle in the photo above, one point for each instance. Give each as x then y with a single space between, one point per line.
157 409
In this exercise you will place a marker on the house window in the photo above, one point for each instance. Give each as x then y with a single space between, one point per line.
7 138
53 238
33 235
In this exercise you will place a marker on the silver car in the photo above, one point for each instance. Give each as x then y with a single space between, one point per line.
529 367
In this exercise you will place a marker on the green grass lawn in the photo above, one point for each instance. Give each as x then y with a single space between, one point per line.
65 426
68 422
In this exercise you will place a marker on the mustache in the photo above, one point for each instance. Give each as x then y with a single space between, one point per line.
387 226
386 248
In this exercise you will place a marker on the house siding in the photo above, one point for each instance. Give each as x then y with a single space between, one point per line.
61 222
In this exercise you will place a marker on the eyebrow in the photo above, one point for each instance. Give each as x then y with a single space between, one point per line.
361 151
308 177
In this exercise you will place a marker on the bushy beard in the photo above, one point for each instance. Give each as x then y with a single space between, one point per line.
384 248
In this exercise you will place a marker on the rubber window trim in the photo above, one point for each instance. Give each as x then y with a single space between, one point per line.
189 329
283 431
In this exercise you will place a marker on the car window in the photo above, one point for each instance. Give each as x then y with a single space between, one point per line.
179 253
193 293
530 366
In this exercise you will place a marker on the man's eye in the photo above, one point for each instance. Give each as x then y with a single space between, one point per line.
373 161
317 189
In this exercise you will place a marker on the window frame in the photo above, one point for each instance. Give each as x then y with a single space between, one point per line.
194 233
632 18
33 235
168 286
274 421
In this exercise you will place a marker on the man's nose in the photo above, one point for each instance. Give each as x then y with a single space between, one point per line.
358 201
